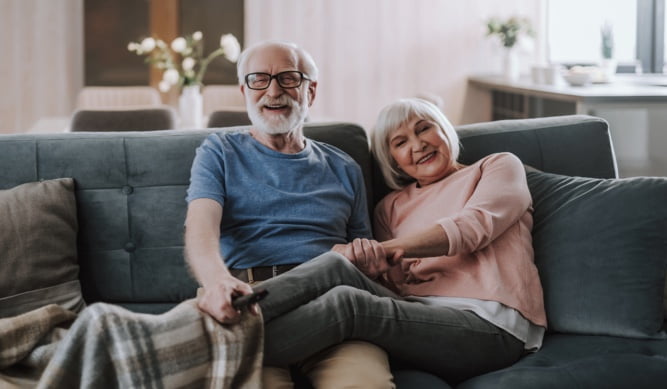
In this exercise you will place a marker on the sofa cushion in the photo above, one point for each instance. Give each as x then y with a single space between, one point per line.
601 250
583 361
38 246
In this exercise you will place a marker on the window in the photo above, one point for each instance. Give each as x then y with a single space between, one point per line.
650 34
574 32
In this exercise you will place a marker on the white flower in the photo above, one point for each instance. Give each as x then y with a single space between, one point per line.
171 76
164 86
231 47
188 63
190 71
148 44
179 44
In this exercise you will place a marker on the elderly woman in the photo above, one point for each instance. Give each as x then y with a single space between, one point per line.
449 287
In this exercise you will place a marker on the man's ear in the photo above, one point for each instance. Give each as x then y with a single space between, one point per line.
312 88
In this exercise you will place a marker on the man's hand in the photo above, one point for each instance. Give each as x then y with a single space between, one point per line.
216 300
367 255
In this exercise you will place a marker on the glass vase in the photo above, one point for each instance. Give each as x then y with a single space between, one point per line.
190 107
511 65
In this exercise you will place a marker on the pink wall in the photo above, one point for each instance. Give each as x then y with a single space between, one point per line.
371 52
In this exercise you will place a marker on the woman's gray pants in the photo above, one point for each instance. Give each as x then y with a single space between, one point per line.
328 300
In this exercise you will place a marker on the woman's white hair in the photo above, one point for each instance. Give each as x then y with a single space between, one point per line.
306 64
394 116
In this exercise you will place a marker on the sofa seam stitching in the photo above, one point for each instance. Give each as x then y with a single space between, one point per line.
129 220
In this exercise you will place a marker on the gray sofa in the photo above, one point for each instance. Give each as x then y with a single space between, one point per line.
600 244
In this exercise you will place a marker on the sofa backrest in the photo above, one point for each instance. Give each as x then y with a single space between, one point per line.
575 145
130 189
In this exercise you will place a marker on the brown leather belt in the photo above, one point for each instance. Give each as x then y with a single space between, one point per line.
260 273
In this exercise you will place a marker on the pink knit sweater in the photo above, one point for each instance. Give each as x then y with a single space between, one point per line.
485 210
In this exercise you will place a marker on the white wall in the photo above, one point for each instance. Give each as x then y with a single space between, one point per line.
371 52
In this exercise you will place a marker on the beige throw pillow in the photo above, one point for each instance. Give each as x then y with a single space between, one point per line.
38 254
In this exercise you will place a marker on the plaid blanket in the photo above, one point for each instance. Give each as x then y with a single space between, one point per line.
107 346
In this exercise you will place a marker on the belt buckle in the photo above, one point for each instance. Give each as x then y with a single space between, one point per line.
251 276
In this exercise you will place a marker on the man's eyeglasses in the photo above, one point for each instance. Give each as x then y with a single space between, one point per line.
288 80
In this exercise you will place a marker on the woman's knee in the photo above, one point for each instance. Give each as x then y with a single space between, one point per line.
351 364
276 378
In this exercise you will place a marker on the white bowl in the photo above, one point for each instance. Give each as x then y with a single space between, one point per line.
578 78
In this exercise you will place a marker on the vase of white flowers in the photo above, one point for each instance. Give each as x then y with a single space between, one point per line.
183 63
511 69
190 107
509 32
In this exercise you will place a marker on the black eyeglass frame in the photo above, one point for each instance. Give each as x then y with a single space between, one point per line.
276 76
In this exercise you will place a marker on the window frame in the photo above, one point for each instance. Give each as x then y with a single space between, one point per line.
650 43
651 35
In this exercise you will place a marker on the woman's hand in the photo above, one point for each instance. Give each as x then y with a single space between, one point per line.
367 255
216 299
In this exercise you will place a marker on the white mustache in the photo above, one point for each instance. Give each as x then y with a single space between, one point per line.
282 100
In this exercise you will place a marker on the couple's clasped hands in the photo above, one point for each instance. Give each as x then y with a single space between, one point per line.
369 256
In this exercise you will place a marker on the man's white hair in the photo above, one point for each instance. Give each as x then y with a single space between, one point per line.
305 64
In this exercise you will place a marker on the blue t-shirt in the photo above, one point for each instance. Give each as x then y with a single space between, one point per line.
279 208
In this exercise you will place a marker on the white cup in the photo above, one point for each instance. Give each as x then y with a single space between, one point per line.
537 74
551 74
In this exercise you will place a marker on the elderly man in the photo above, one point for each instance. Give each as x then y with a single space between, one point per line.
264 201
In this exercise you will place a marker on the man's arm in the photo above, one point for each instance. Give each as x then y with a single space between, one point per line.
202 252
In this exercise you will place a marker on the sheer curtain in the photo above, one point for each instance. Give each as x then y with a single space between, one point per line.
41 65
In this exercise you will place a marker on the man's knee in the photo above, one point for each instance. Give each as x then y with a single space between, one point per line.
336 260
352 364
349 301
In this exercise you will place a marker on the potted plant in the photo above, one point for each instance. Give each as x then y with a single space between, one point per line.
509 32
608 63
183 64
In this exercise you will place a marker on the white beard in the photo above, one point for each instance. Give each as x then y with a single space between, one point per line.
279 124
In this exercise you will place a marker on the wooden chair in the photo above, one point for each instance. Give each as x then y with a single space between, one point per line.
146 119
228 119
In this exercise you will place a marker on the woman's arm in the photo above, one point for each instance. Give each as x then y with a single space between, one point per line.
429 242
501 197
